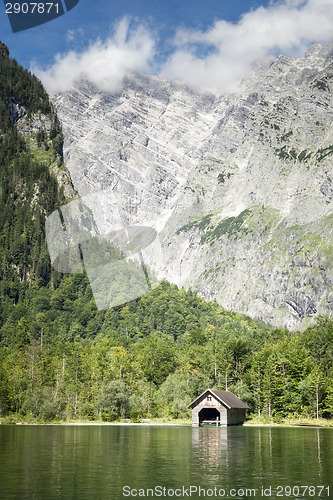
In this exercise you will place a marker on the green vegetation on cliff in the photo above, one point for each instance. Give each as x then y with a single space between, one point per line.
28 189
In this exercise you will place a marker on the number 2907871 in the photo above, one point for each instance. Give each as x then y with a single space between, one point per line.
32 8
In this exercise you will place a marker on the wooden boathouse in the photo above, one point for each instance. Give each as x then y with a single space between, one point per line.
217 408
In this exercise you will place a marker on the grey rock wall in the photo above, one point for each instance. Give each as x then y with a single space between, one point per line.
239 187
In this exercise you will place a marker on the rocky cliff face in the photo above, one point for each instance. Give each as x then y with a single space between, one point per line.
239 187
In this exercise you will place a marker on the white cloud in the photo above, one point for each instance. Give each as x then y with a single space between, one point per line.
103 63
214 59
73 35
286 27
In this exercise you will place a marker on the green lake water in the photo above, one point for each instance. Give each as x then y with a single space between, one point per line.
116 462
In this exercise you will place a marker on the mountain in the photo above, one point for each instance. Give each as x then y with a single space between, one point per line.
60 357
239 187
33 180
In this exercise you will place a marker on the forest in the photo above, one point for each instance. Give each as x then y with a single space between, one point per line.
62 359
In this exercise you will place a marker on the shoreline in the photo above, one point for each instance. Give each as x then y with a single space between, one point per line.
104 424
318 425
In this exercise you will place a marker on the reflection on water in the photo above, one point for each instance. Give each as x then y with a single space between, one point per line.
210 449
318 447
263 456
96 462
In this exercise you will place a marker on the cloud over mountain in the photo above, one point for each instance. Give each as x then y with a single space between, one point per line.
214 59
284 27
104 63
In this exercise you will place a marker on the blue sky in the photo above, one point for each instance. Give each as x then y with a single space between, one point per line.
91 19
210 43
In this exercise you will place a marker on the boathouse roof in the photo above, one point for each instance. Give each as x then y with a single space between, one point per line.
227 398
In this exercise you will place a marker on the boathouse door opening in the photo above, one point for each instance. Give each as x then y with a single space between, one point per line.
208 414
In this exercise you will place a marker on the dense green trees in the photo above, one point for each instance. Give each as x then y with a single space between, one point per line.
61 358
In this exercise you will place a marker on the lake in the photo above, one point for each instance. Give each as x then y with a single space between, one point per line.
103 462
